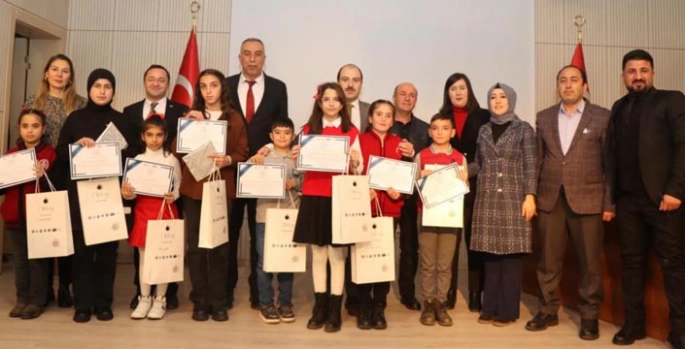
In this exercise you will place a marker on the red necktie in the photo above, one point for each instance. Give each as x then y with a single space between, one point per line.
249 105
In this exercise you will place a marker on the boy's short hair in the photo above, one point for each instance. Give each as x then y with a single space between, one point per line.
287 123
439 116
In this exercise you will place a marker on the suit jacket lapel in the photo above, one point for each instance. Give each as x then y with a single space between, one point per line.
234 95
554 119
265 96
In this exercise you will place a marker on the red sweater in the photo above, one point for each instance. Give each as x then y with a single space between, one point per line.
13 209
371 144
460 115
321 183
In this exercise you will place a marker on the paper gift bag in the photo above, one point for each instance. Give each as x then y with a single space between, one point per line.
213 213
48 224
164 251
281 254
449 214
102 210
374 260
351 214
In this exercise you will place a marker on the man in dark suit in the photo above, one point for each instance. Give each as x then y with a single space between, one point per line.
351 79
156 80
646 168
572 200
260 99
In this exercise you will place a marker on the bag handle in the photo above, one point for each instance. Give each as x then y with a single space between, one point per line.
292 200
378 206
160 215
50 185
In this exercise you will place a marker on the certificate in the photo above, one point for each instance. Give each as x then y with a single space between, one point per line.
323 153
387 173
102 160
17 168
112 134
442 185
149 178
194 133
261 181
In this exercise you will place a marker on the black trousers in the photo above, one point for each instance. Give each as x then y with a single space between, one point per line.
643 227
172 289
373 294
30 275
502 291
587 233
409 249
208 267
94 269
63 269
474 258
235 223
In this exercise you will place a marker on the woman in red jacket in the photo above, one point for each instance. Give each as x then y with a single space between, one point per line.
379 142
30 275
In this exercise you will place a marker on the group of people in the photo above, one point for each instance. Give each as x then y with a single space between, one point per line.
582 165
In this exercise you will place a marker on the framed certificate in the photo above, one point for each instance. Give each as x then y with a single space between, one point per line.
149 178
194 133
442 185
261 181
323 153
387 173
17 168
101 160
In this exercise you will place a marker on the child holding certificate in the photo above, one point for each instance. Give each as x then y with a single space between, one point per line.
282 134
30 275
437 244
314 221
147 208
379 142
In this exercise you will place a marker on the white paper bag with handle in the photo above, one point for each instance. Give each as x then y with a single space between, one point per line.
281 254
374 260
351 214
48 223
102 210
164 250
213 212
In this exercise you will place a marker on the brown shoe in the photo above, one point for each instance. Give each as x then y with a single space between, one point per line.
428 313
17 310
441 315
31 312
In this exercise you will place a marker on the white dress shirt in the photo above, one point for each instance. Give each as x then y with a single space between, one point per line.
354 115
257 91
160 108
568 124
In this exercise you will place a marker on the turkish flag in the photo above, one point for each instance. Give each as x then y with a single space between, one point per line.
187 76
578 61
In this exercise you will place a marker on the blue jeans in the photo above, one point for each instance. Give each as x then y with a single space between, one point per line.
264 279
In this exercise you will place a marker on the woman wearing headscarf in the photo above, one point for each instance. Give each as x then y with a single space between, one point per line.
505 163
94 266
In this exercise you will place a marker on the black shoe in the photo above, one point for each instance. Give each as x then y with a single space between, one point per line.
628 335
589 329
171 302
319 313
379 322
475 305
352 308
64 299
365 319
541 321
229 302
411 304
134 301
82 315
677 341
451 299
104 314
220 315
200 314
486 318
254 305
334 314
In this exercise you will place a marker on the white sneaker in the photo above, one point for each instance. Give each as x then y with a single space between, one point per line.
158 308
141 311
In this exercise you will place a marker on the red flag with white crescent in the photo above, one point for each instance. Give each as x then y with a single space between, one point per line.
578 60
188 74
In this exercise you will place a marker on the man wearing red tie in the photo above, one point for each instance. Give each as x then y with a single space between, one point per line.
156 81
260 99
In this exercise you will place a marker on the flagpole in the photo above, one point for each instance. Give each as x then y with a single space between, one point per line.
194 9
579 21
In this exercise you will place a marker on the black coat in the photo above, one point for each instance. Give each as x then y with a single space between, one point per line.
466 144
134 115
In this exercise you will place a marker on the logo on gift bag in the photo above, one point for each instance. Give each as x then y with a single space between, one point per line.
55 243
295 259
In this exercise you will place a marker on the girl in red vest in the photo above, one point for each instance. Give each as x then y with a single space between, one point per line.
379 142
30 275
314 220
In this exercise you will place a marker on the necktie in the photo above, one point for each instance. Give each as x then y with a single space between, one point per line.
249 105
153 105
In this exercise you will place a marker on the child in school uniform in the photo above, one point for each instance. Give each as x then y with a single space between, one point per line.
314 220
379 141
437 244
209 267
282 134
30 275
147 208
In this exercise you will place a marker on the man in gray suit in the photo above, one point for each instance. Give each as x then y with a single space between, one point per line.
351 79
573 199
